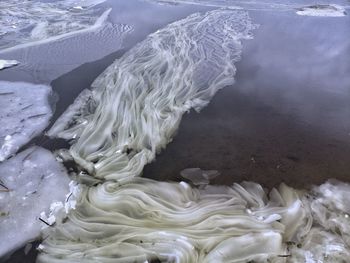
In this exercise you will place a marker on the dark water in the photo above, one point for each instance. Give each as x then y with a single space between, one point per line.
286 119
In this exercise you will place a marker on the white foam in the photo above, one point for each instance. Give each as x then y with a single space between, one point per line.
33 180
25 112
322 10
137 103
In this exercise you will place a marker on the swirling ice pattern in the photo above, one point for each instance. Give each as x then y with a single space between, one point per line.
173 222
137 103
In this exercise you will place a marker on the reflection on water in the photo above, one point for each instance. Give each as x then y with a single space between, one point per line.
287 116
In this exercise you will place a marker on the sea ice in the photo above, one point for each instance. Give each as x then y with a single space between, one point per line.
322 10
137 103
27 21
30 182
25 112
174 222
7 63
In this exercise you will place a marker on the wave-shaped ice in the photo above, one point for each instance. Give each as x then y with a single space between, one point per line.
137 103
30 21
147 220
25 112
7 63
322 10
29 183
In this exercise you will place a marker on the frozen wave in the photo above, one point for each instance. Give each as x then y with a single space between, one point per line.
30 21
25 112
146 220
30 182
137 103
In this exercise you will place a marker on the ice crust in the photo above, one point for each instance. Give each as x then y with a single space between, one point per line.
30 182
25 112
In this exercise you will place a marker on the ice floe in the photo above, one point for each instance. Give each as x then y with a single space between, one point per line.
174 222
7 63
137 103
29 21
30 182
322 10
52 56
25 112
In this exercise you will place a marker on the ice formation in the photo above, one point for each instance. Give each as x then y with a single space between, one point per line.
25 112
146 220
198 176
137 103
29 183
128 116
7 63
29 21
322 10
53 57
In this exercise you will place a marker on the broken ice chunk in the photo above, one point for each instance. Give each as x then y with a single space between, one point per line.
322 10
31 182
198 176
25 112
7 63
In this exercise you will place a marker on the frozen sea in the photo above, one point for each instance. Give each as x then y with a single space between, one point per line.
284 119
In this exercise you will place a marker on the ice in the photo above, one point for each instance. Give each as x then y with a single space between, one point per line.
7 63
30 182
174 222
198 176
137 103
322 10
28 21
25 112
53 56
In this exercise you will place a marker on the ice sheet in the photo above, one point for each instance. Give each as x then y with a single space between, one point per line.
29 21
322 10
30 182
25 112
